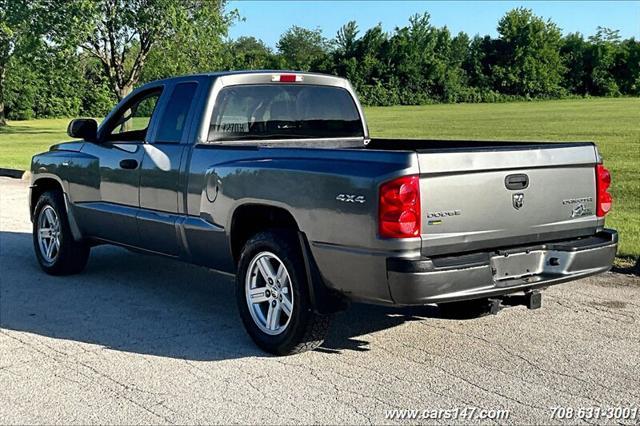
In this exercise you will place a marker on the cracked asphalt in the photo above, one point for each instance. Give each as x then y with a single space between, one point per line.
142 339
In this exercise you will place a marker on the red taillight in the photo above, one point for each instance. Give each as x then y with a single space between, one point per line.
399 209
287 78
603 198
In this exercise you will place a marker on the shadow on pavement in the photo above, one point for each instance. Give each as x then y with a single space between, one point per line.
151 305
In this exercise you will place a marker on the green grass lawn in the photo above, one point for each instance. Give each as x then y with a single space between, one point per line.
613 123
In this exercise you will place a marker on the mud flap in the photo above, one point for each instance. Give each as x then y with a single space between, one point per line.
323 299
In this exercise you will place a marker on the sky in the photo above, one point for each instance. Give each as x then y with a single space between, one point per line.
267 20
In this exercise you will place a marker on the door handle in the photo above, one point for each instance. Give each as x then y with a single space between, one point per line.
516 182
129 163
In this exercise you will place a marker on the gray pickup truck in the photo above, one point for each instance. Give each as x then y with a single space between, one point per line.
272 176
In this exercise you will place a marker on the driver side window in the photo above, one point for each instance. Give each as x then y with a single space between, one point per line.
132 122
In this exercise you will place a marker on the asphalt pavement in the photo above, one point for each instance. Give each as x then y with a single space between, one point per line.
143 339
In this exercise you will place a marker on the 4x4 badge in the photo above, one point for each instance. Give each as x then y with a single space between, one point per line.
518 200
351 198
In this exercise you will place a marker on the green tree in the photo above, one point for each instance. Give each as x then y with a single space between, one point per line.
303 49
575 52
125 33
373 51
626 69
250 53
28 25
604 48
9 20
479 62
47 82
347 39
413 55
195 45
529 62
345 54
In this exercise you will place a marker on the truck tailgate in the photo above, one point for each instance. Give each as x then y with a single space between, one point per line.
499 196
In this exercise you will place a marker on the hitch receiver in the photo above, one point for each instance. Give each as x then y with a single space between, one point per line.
533 299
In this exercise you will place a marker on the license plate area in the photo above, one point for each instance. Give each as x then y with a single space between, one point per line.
517 265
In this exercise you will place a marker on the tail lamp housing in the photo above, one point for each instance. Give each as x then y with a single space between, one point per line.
603 197
399 208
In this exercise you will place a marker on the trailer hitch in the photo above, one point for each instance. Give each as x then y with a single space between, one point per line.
532 299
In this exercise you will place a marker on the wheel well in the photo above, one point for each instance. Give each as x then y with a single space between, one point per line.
252 218
40 187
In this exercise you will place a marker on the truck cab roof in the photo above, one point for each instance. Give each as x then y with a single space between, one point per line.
326 78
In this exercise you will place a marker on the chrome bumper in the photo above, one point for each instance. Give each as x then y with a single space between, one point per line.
488 274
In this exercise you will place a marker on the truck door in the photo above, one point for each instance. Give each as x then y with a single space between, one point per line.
162 183
119 152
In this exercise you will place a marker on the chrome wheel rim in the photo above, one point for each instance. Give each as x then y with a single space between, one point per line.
49 234
269 293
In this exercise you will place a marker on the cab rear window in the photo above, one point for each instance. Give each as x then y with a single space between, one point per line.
284 111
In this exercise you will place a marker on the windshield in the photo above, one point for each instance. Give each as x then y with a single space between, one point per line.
282 111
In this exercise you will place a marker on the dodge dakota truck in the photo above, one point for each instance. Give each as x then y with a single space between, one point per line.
272 176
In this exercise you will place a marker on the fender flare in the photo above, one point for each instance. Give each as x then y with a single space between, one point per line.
73 223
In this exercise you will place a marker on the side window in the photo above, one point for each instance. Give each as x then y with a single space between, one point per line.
133 120
173 120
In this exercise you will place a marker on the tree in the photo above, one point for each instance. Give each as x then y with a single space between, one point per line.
574 52
529 62
603 50
347 39
126 31
15 20
303 49
61 57
413 54
372 52
626 70
29 25
479 62
250 53
345 54
196 45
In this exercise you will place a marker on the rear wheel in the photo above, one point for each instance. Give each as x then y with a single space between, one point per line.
272 295
56 250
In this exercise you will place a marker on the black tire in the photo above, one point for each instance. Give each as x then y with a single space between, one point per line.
72 256
306 330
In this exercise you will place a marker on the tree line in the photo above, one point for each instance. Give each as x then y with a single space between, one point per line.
61 58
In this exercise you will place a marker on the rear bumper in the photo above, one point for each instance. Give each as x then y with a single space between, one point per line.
487 274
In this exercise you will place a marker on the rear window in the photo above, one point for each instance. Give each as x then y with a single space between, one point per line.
282 111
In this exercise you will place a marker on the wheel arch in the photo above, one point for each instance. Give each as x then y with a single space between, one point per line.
250 218
48 182
41 185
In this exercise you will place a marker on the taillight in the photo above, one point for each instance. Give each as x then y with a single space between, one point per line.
399 208
287 78
603 198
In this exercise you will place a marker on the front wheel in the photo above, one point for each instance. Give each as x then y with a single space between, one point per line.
56 250
273 297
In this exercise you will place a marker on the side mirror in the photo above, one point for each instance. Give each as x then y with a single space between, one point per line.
83 128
